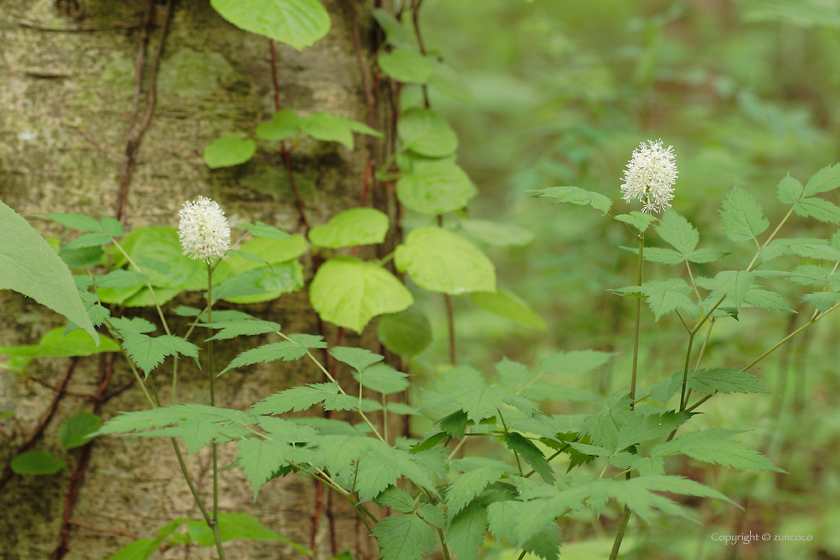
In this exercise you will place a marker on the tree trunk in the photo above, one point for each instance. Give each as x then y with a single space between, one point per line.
68 94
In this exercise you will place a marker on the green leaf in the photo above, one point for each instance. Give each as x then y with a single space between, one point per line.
678 232
465 534
396 498
81 258
287 350
148 353
706 255
735 285
789 190
76 221
659 255
302 398
767 300
645 466
404 65
449 82
357 358
470 484
31 267
638 220
823 301
274 250
803 247
396 33
76 431
509 306
424 132
357 226
88 240
238 526
435 187
575 362
262 230
56 344
232 329
502 235
575 195
441 261
265 284
557 392
161 258
141 549
818 208
36 462
261 458
531 454
229 150
383 379
404 537
283 125
742 216
349 292
724 380
664 296
645 428
824 180
512 375
298 23
604 427
482 402
372 477
406 333
328 127
711 446
120 279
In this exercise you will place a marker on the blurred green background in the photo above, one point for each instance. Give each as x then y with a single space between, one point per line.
746 92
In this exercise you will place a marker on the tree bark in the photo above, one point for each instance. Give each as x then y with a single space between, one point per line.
68 95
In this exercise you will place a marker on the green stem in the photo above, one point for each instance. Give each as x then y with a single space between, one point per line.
212 377
637 329
622 528
685 370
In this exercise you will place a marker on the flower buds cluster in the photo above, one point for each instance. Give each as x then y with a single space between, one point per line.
203 230
650 176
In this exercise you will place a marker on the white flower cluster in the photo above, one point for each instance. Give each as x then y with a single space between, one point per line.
203 230
650 176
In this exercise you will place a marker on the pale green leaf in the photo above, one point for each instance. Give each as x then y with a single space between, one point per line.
678 232
742 216
349 292
383 379
509 306
424 132
404 537
357 358
823 301
724 380
712 446
441 261
818 208
298 23
638 220
449 82
789 190
575 362
396 33
56 344
232 329
406 333
575 195
261 458
396 498
824 180
357 226
283 125
229 150
262 230
435 187
404 65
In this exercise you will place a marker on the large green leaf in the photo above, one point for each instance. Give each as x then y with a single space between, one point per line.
406 333
404 65
404 537
298 23
349 292
425 132
357 226
508 305
36 462
283 125
435 187
158 252
441 261
56 344
742 216
229 150
236 526
334 128
29 265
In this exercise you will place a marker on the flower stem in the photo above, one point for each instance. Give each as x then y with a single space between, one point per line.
212 377
637 330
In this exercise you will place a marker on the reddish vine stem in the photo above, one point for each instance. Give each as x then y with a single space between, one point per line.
316 515
415 15
284 150
44 420
135 138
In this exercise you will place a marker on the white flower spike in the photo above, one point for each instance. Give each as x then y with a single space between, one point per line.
650 177
203 230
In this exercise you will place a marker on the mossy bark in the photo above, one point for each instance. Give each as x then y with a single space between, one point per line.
67 89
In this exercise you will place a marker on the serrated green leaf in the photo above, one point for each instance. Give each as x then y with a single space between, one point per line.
645 428
724 380
766 299
404 537
286 350
482 402
229 150
678 232
559 393
349 292
545 544
604 427
283 125
76 221
406 333
404 65
575 195
31 267
148 353
659 255
383 379
76 431
372 477
466 530
232 329
711 446
435 187
396 498
531 454
513 375
441 261
742 216
803 247
270 232
818 208
645 466
357 358
735 285
706 255
298 23
823 301
120 279
260 459
789 190
638 220
88 240
665 296
357 226
36 462
426 133
509 306
470 484
302 398
575 362
824 180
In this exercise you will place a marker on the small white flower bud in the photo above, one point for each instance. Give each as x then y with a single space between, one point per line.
203 230
650 177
